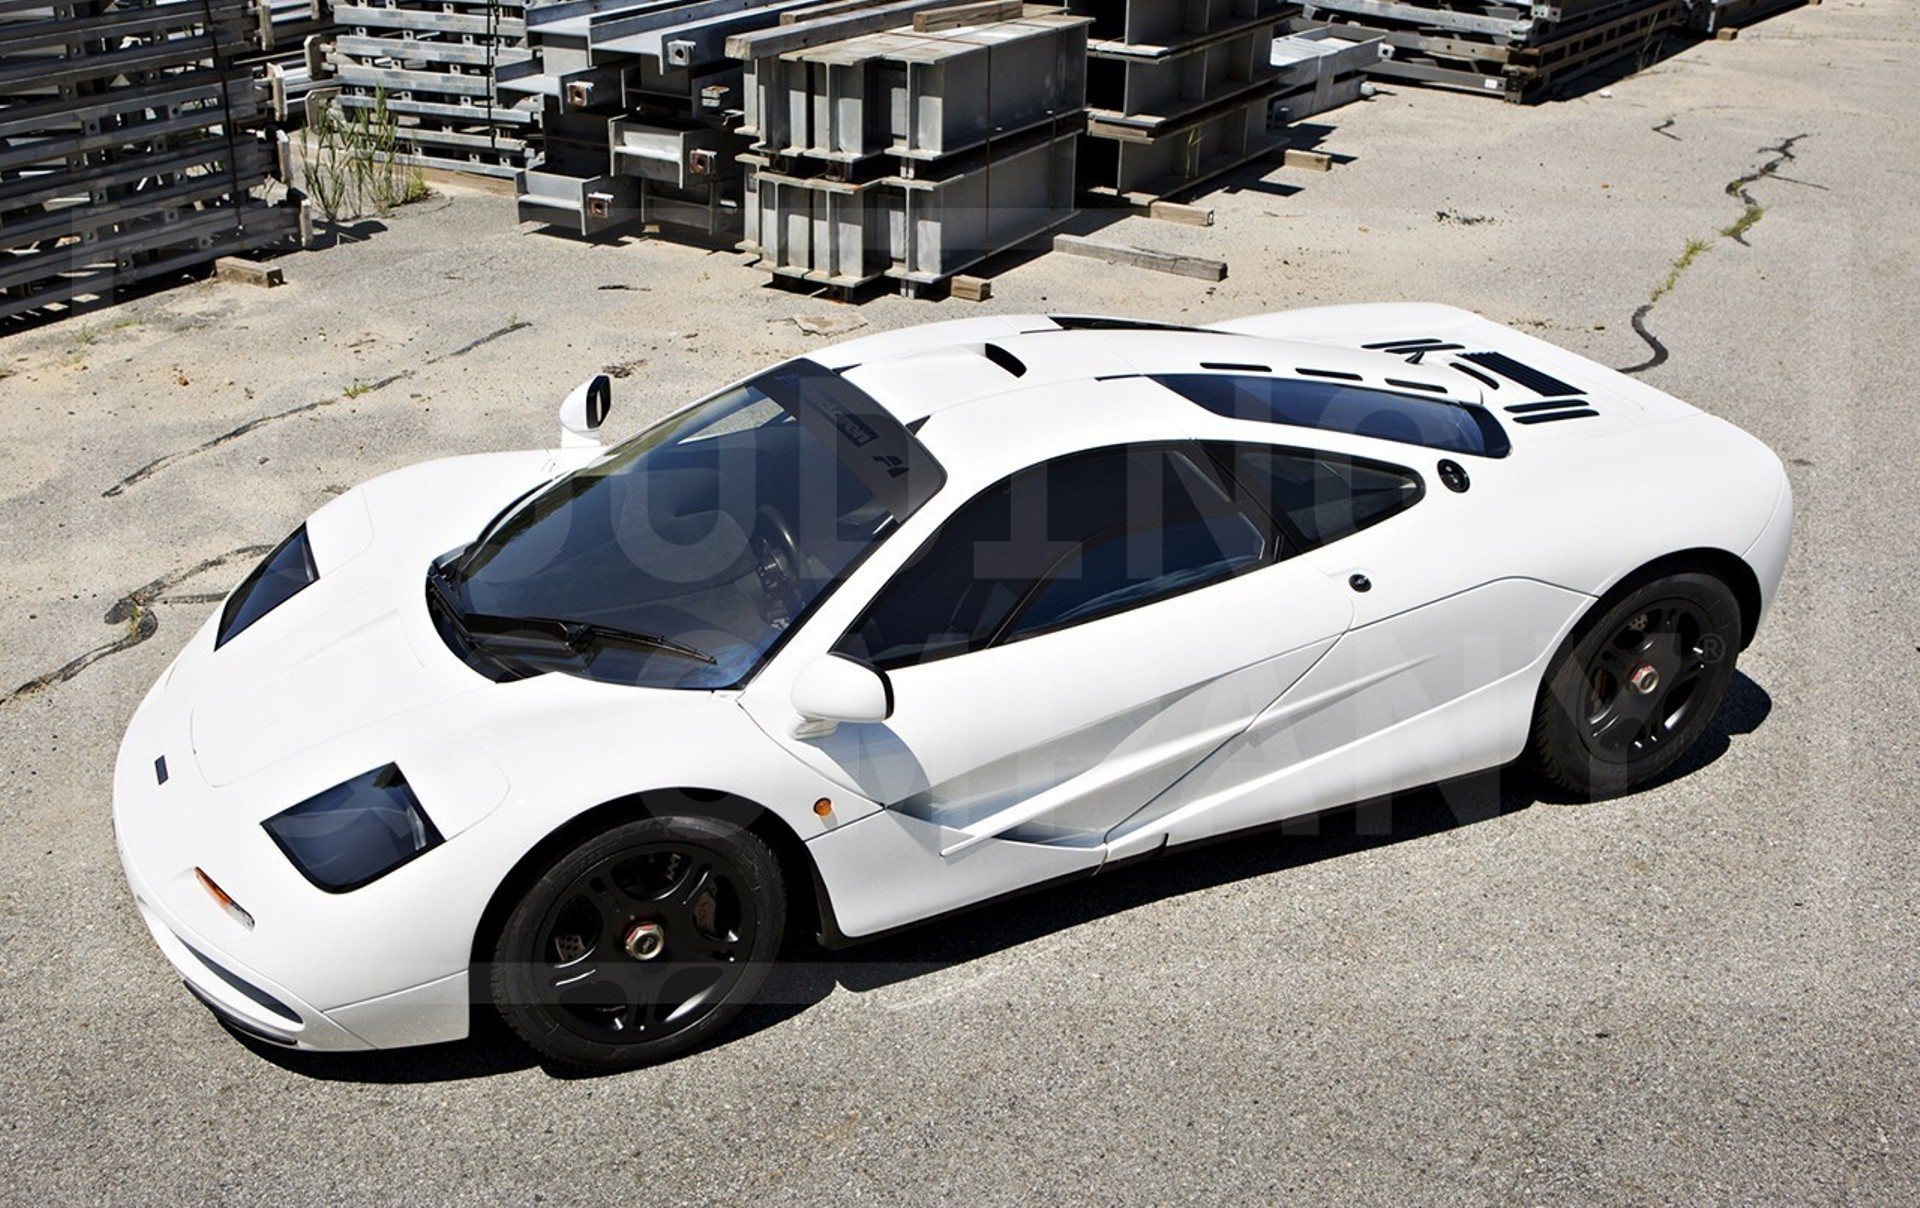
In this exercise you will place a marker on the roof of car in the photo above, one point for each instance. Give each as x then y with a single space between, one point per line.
920 372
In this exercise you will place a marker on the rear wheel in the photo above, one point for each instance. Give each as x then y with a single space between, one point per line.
640 943
1638 686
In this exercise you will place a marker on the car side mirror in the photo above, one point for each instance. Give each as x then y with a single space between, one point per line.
584 411
833 689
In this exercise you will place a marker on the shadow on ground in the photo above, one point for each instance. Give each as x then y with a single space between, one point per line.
809 973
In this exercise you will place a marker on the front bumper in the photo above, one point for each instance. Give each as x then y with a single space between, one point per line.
163 831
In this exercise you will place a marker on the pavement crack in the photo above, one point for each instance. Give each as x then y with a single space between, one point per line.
133 611
1659 350
162 462
232 434
1751 213
1737 188
490 337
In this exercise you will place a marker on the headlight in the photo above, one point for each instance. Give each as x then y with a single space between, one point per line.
279 576
354 832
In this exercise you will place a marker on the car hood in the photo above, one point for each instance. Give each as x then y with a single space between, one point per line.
342 662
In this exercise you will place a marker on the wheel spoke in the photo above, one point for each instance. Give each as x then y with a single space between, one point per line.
601 981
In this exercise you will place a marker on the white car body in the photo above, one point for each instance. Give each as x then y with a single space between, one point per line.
1272 694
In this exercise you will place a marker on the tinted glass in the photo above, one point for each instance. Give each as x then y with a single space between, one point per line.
1323 498
714 531
280 575
354 832
1134 566
1059 543
1333 407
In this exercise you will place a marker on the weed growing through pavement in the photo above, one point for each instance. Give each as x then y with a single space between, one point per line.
350 160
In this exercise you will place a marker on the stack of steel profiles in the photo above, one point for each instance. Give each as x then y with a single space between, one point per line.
1712 16
129 148
430 64
918 95
1178 92
293 58
918 230
912 154
635 105
1509 48
1320 68
291 22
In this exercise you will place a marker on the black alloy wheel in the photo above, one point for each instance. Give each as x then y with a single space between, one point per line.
640 943
1644 680
1637 685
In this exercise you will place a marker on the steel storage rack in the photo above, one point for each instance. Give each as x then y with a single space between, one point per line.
912 154
1712 16
431 65
635 106
1506 48
1177 92
130 147
1320 68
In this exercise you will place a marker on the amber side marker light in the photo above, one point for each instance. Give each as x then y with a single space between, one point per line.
823 807
227 903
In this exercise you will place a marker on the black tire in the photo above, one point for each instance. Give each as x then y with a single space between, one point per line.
640 943
1636 685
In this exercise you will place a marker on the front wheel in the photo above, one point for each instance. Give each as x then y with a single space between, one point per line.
640 943
1637 687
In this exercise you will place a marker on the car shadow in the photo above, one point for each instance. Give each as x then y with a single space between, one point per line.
809 973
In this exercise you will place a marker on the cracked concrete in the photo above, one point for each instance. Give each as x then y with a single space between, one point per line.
1704 992
1737 188
135 611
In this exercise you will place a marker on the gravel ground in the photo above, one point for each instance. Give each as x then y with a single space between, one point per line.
1703 992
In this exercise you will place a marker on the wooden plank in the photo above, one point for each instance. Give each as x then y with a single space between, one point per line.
1317 161
248 272
1186 215
977 13
972 289
1141 257
783 39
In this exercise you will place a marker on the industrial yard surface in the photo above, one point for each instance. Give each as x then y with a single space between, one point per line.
1706 991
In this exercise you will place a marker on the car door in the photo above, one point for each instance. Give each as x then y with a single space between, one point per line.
1435 678
1067 645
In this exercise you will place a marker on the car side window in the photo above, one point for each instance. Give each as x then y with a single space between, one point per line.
1321 497
1058 544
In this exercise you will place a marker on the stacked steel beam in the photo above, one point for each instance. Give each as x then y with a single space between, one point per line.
912 153
1712 16
1178 92
634 106
129 147
1320 69
1514 49
292 58
430 64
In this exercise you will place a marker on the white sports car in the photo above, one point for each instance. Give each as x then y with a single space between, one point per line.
915 621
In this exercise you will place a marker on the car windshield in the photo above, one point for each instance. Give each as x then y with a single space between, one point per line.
679 558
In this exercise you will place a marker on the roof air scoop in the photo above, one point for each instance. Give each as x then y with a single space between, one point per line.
1004 359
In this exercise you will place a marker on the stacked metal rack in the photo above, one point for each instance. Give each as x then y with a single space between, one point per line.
129 148
912 154
296 34
431 65
1508 48
634 105
1712 16
1177 92
1320 69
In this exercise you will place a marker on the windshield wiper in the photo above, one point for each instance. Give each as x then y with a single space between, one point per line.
579 637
